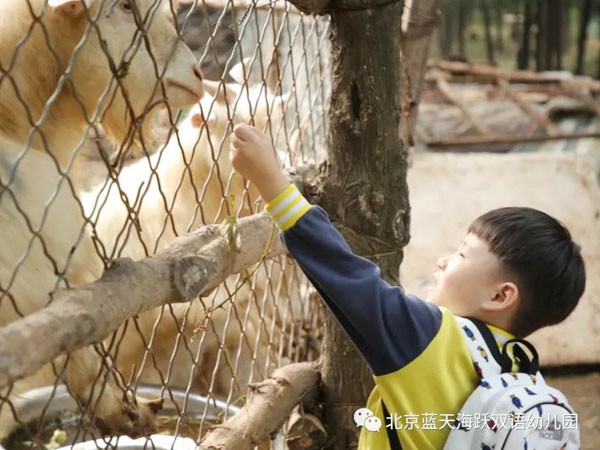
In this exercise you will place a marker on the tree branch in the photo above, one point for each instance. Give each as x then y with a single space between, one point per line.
192 265
268 407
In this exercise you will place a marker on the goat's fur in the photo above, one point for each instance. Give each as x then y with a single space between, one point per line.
185 184
44 118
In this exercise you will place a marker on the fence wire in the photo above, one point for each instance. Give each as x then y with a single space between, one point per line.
108 150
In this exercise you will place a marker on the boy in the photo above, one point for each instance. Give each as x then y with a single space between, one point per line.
517 270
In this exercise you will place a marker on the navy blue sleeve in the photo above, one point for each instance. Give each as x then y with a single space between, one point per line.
388 327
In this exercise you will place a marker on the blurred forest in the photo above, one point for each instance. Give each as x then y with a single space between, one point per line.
522 34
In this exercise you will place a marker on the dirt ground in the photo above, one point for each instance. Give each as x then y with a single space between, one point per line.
583 392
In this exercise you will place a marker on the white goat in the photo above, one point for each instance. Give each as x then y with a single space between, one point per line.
58 76
183 185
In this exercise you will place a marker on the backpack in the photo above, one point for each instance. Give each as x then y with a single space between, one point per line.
510 410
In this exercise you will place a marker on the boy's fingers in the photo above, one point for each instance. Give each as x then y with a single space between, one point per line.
243 131
236 141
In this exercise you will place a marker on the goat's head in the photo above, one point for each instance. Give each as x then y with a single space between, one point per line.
131 56
226 105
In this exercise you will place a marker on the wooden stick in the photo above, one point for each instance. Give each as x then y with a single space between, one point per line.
490 73
485 140
543 120
445 88
192 265
574 90
266 410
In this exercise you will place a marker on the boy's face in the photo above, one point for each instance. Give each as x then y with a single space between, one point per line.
468 278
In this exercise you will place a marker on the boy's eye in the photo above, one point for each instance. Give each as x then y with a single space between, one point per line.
461 254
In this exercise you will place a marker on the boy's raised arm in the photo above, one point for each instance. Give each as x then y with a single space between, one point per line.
389 327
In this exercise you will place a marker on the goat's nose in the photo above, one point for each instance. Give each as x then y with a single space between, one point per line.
197 72
442 263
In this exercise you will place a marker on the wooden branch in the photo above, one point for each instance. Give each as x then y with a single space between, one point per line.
267 409
575 90
491 73
485 140
445 88
192 265
538 117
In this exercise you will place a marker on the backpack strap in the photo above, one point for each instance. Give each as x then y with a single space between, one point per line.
526 364
392 435
482 343
502 358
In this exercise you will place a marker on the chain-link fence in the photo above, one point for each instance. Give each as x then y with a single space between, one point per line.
111 145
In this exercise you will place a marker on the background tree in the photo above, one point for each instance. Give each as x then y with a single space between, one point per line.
584 20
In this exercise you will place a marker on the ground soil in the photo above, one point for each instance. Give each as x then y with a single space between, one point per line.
583 391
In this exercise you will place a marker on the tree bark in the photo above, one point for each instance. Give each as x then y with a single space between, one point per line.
584 20
267 409
192 265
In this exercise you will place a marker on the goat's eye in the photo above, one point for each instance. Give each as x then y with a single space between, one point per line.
126 6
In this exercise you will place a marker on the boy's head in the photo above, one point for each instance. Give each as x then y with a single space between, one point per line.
517 268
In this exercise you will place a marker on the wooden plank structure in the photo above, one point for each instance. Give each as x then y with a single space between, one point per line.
531 92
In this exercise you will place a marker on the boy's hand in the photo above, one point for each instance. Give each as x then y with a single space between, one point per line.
253 157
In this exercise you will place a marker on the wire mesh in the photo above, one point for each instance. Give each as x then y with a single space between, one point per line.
108 150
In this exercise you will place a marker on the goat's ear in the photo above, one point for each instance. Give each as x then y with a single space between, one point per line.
237 71
71 8
217 90
281 102
197 120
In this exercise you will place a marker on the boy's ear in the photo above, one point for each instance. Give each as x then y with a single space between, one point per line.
505 298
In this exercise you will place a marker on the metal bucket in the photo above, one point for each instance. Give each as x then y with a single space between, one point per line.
58 407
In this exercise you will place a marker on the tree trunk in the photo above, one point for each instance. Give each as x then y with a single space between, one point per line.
541 37
365 191
556 23
524 52
422 20
487 23
462 29
445 32
551 27
598 56
584 20
499 26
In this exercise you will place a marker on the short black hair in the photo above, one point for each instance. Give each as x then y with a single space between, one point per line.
538 251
